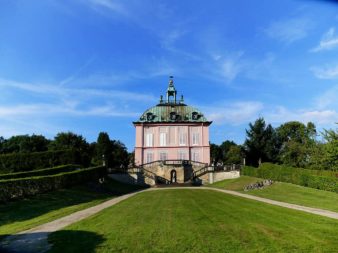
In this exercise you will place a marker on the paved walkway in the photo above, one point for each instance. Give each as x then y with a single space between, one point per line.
35 240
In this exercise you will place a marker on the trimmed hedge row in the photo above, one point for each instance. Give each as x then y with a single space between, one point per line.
24 187
43 172
18 162
308 178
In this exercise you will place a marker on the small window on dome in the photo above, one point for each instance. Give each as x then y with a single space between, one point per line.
173 116
195 116
150 116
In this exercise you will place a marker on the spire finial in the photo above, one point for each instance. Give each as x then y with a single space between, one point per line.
171 81
171 91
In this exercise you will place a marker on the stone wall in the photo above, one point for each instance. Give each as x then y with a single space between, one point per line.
183 174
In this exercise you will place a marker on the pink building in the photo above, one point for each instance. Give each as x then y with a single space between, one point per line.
172 130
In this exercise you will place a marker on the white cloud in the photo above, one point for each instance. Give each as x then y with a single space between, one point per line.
60 91
329 41
325 73
328 98
111 5
289 30
281 114
235 113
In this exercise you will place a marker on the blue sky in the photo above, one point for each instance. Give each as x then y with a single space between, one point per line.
96 65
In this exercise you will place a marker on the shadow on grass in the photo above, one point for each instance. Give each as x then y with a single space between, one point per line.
27 209
60 241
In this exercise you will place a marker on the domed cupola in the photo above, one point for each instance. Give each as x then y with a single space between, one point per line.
171 110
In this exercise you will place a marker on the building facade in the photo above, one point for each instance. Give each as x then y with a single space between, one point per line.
172 130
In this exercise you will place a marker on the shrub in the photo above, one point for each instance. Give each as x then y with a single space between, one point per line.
18 162
322 180
24 187
43 172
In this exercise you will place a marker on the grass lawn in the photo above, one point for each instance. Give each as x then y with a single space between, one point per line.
197 221
21 215
285 192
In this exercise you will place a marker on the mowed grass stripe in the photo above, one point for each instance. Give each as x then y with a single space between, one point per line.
197 221
285 192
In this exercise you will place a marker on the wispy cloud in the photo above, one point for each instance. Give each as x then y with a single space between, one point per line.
329 41
235 113
326 72
328 99
320 117
112 5
289 30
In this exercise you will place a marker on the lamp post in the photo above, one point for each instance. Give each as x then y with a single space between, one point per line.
103 161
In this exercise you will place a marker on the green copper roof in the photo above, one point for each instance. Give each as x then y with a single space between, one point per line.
171 111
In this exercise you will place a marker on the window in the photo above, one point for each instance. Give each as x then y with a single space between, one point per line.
195 138
182 155
182 136
149 140
172 136
163 156
195 156
163 139
149 157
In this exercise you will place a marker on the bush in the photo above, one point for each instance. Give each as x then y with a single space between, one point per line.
24 187
43 172
19 162
322 180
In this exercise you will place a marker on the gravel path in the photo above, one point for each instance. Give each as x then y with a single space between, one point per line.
35 240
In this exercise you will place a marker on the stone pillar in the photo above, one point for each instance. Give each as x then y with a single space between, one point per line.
211 177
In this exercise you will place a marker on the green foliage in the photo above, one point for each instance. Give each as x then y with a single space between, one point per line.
18 162
42 172
234 155
215 153
228 153
322 180
24 187
297 141
261 143
23 144
115 153
69 140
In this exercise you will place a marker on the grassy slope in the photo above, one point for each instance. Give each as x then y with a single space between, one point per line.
197 221
285 192
25 214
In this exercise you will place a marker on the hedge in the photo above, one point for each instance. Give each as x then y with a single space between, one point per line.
309 178
24 187
43 172
18 162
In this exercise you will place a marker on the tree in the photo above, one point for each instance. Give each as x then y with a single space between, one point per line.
330 149
69 140
120 155
215 153
297 142
260 143
234 155
103 147
225 147
24 144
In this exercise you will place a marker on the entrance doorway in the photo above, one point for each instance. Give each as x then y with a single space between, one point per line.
173 176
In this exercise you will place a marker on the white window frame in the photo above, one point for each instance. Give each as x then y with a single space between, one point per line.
163 155
163 139
182 136
149 140
196 156
195 138
149 157
182 155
